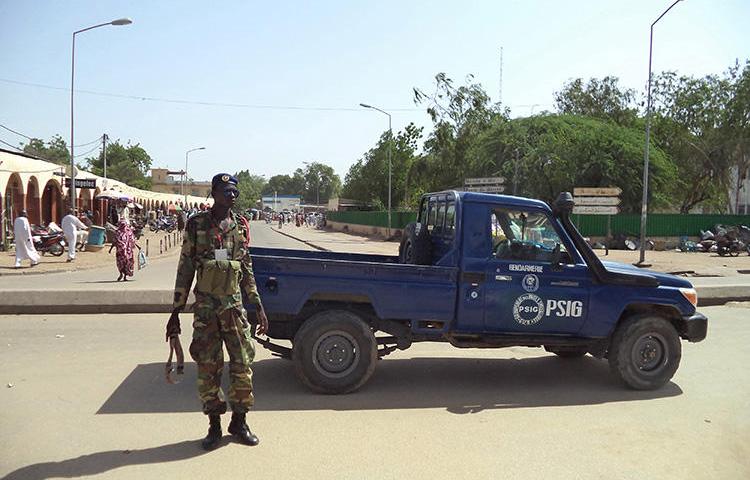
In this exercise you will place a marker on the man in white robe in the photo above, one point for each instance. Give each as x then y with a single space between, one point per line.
24 243
70 226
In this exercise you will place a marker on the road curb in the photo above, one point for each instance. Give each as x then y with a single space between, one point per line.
306 242
160 301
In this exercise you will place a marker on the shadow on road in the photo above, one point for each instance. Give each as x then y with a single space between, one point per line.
459 385
100 462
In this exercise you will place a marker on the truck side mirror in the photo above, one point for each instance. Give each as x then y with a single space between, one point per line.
556 257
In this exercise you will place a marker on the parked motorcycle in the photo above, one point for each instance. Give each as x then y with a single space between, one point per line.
53 243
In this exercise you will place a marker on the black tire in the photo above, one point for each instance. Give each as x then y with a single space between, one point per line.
334 352
567 352
56 249
645 352
415 248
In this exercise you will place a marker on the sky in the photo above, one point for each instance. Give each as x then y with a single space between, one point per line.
290 75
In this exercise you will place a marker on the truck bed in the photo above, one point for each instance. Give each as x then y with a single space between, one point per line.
396 291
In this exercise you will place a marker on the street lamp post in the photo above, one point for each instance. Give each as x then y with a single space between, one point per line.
644 202
184 176
118 22
390 140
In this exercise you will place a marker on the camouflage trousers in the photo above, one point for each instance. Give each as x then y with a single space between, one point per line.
210 331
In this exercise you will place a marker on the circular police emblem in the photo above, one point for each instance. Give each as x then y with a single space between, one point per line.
530 283
528 309
225 178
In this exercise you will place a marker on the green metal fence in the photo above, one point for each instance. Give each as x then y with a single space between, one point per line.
375 219
658 224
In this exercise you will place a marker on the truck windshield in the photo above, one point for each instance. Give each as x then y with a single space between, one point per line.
519 235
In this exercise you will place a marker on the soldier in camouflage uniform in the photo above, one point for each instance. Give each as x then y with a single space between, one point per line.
216 249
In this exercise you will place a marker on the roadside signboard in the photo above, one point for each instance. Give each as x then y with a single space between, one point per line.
485 184
597 201
485 181
597 191
82 183
486 189
595 210
608 201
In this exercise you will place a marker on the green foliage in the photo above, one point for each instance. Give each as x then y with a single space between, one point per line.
55 151
698 122
602 99
126 163
251 188
559 152
316 182
367 179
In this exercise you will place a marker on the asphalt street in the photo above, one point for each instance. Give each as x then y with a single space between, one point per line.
84 396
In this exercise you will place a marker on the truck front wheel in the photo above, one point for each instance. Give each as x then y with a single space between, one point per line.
645 352
334 352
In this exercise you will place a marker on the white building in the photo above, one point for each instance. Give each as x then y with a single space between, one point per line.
278 203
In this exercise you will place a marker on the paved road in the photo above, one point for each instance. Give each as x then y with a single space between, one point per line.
93 403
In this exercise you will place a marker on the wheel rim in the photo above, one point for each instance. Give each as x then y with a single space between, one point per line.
649 353
335 354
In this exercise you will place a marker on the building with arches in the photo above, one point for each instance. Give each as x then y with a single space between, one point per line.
38 186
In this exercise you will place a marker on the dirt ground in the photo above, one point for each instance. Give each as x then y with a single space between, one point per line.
170 243
695 263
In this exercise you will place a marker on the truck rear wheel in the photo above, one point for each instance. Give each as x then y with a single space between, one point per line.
334 352
645 352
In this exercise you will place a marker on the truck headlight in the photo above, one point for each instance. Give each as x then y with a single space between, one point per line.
690 295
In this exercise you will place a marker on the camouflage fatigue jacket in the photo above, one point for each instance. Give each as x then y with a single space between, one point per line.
202 236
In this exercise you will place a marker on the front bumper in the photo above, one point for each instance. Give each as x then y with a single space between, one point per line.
694 327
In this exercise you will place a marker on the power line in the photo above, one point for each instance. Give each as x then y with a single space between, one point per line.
17 133
204 103
11 146
86 153
97 140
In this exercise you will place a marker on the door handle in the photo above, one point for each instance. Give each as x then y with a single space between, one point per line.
473 277
503 278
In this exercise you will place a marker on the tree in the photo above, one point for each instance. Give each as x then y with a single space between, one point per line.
285 184
367 179
602 99
126 163
55 151
251 188
690 124
459 115
559 152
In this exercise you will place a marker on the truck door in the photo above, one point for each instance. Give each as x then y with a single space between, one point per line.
524 292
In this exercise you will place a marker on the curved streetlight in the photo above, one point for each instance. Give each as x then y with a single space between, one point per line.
117 23
184 176
390 140
644 204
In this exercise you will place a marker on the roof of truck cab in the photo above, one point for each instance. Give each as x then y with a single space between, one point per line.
504 200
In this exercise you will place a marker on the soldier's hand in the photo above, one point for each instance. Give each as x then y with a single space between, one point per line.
262 320
173 324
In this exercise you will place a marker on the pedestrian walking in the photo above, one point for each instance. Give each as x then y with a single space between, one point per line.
24 241
216 249
70 226
124 242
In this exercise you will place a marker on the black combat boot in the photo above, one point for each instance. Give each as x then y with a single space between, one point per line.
241 431
214 433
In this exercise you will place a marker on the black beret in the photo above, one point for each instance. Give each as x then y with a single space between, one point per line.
223 180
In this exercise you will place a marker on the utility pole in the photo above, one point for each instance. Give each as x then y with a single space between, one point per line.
515 175
501 76
104 150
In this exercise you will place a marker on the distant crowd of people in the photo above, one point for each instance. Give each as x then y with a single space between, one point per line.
300 219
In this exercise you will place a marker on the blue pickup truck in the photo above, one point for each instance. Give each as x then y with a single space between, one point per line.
474 270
